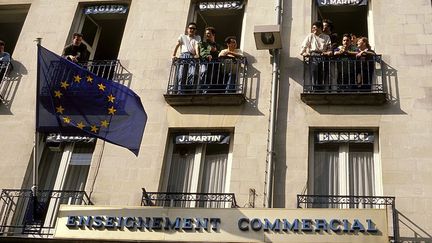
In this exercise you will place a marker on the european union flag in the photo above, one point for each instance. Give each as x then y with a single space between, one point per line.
73 100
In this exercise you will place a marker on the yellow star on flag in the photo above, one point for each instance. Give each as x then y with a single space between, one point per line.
66 120
89 79
80 125
102 87
104 123
111 110
60 109
57 93
64 84
111 98
77 78
94 128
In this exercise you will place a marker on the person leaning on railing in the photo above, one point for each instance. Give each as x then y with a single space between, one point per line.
317 45
188 44
76 51
345 59
4 60
230 64
209 51
365 65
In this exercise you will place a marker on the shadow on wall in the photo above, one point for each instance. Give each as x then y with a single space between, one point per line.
288 70
419 234
9 86
252 88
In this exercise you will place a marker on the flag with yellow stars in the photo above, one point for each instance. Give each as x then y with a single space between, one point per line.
74 101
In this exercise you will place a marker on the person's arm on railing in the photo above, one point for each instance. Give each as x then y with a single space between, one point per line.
175 50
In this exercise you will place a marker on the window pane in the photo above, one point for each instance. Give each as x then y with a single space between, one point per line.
79 166
215 166
326 169
180 176
361 170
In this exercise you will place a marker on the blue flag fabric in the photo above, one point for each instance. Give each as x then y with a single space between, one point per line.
72 100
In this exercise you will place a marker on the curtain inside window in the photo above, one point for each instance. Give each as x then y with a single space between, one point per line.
361 170
48 168
79 166
326 170
215 167
182 161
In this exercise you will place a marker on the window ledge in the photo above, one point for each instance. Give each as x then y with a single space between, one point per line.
204 99
348 98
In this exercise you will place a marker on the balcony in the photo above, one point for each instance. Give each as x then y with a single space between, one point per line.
343 81
109 69
22 213
5 68
188 200
353 202
201 82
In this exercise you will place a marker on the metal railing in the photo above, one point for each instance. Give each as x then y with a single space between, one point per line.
358 202
200 76
188 200
5 68
23 213
109 69
343 74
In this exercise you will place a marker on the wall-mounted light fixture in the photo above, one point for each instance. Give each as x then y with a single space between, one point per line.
267 37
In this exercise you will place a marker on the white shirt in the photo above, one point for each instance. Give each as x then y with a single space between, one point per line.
188 43
316 43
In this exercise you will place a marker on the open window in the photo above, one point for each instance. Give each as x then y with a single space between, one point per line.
102 26
351 17
225 16
12 19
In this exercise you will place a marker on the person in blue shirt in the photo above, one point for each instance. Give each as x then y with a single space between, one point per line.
4 56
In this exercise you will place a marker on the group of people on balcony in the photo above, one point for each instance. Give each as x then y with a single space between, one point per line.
217 68
349 66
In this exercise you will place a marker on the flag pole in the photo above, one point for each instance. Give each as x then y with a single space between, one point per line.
34 187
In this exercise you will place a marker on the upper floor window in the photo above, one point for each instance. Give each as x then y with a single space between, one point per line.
347 17
12 19
225 16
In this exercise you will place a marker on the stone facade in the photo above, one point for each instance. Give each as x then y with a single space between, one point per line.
400 31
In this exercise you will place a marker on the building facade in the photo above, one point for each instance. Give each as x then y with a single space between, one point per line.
249 133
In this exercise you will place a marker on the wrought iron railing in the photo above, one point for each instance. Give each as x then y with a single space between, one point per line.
21 212
109 69
339 74
5 68
188 200
358 202
200 76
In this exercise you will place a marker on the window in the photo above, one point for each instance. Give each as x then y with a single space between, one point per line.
12 19
345 163
343 14
198 163
225 16
65 165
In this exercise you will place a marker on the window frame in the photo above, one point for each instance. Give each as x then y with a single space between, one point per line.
198 168
343 186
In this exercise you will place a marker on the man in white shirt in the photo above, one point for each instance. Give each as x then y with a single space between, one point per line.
188 44
316 46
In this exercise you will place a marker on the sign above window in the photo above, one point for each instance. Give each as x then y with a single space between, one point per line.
344 137
322 3
193 138
106 9
58 138
219 5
